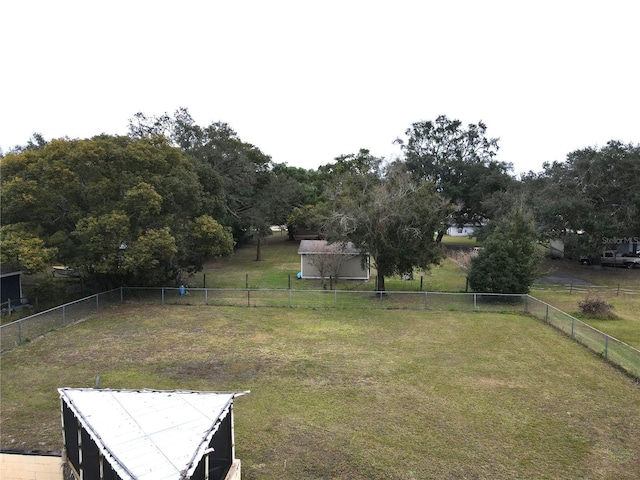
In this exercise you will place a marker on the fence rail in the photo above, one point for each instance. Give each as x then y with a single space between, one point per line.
14 305
362 299
579 288
27 328
619 353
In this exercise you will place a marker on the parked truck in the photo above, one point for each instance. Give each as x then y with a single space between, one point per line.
614 258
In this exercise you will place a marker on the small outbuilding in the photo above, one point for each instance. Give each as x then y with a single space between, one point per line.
320 259
149 434
11 289
466 230
556 248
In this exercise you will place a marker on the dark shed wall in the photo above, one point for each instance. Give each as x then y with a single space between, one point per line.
220 459
90 462
85 458
10 288
70 428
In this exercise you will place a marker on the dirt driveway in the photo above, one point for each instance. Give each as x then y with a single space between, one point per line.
568 272
563 279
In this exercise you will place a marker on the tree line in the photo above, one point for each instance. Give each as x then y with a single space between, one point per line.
152 206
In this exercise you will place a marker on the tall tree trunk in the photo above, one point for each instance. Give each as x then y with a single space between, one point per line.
258 250
380 282
441 233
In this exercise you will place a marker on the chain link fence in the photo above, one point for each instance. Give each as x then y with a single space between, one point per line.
26 329
615 351
619 353
340 299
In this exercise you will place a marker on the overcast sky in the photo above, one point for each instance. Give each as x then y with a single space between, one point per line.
308 81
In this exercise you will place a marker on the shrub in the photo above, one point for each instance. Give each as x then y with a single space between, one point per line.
594 306
508 260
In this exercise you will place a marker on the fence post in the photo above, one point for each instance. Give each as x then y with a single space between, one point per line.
475 301
206 296
19 332
121 294
421 279
606 346
572 322
248 297
546 315
335 298
162 296
290 295
246 280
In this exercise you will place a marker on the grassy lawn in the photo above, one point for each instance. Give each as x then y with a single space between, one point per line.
281 263
619 286
360 394
352 394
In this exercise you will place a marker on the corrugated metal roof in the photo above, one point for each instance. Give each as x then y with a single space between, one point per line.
150 434
321 246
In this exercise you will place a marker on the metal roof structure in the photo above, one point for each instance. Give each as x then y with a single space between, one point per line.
308 247
150 434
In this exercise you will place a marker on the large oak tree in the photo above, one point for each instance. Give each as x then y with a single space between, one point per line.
387 214
590 198
460 162
233 174
88 199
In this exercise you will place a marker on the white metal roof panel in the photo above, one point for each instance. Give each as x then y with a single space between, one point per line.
150 434
322 246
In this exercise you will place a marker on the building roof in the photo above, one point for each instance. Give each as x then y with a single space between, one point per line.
150 434
9 273
322 246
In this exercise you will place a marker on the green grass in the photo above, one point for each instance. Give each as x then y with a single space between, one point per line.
281 263
619 286
460 242
350 393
